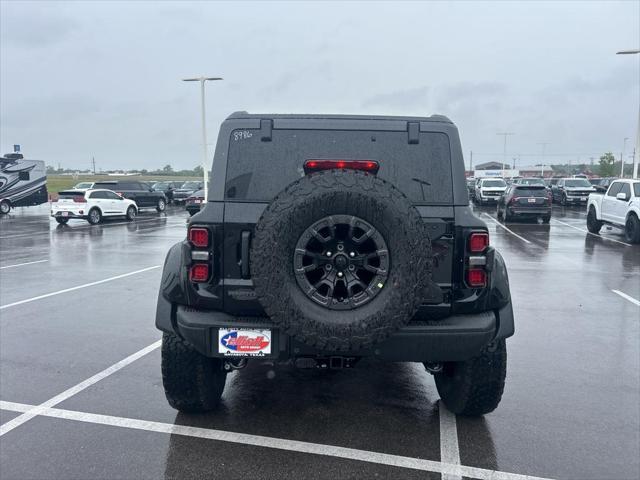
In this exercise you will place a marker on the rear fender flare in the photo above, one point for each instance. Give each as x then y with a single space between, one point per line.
172 287
499 293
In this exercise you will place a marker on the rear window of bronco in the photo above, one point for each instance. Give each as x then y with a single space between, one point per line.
257 170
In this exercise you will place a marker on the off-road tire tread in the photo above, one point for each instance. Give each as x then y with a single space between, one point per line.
192 382
477 387
289 214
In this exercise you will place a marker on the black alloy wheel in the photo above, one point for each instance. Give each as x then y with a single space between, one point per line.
341 262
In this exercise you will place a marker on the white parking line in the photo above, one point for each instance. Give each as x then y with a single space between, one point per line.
627 297
25 234
35 410
39 297
271 442
588 232
507 229
21 264
449 449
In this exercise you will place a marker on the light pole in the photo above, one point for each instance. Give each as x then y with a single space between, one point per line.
624 149
504 152
205 157
637 150
544 148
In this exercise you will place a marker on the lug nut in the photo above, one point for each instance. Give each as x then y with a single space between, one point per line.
328 254
328 267
340 274
352 254
340 247
352 268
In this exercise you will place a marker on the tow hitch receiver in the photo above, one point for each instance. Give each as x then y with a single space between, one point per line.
325 363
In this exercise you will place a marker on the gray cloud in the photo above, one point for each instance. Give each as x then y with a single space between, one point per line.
399 99
39 26
79 79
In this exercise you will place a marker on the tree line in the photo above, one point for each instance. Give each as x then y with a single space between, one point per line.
166 170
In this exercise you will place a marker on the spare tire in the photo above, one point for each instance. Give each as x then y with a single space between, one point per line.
340 260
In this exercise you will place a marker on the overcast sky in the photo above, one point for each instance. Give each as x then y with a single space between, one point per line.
102 79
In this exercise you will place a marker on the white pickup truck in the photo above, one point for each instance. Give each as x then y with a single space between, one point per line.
619 207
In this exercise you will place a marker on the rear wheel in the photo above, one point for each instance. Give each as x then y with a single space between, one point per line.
192 382
131 213
593 224
474 387
546 218
94 216
5 207
161 205
62 220
632 229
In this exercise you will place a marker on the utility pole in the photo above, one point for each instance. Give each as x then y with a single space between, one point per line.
544 148
205 148
504 152
93 160
471 161
637 149
624 148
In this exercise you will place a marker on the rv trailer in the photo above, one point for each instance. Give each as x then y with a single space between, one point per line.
22 182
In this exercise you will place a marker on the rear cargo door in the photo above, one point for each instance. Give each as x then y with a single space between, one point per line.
258 168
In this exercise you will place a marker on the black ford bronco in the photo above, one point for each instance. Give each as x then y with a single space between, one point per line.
328 238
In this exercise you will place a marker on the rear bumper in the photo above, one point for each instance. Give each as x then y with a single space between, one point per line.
69 215
455 338
537 211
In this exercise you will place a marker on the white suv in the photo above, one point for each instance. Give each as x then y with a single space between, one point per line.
489 190
92 205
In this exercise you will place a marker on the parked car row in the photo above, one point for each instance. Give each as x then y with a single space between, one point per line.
93 201
174 191
92 205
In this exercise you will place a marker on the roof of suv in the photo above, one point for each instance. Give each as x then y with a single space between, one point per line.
301 116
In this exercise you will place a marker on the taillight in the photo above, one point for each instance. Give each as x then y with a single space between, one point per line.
80 199
199 272
476 277
476 261
199 237
364 165
478 241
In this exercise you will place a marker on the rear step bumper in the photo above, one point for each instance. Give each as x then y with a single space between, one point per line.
458 337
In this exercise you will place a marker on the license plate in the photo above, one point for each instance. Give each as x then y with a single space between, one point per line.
244 342
196 201
531 200
65 214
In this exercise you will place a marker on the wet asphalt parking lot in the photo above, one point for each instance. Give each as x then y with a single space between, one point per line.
81 394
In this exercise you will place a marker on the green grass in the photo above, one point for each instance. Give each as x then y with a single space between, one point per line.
57 183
